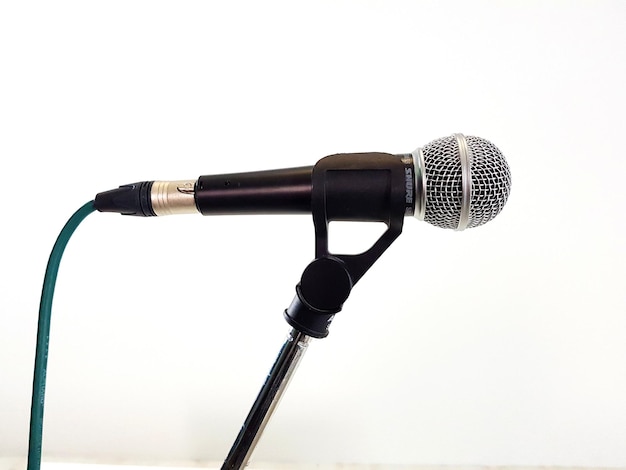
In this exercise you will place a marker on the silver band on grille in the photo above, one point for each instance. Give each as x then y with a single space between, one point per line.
419 173
466 181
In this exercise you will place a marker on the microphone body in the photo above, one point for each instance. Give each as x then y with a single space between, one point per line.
286 191
454 182
355 186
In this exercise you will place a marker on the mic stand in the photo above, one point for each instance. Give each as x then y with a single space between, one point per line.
266 402
377 180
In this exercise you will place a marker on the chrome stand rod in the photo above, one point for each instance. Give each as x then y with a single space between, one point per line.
267 400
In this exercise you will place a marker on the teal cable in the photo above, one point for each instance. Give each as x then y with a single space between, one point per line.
43 336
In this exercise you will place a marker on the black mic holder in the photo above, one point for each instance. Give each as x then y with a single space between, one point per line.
367 187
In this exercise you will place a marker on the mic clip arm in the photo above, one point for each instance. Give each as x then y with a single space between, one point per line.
366 187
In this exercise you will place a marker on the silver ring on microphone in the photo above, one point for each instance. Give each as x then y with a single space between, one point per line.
466 181
419 172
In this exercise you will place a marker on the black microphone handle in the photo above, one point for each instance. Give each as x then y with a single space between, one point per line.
285 191
350 186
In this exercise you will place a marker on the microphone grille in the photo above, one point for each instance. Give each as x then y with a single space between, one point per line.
490 179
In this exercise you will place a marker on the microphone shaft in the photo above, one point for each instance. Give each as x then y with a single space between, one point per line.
285 191
351 186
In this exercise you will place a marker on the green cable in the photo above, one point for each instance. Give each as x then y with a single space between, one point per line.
43 336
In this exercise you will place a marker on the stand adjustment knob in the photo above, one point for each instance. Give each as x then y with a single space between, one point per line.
324 287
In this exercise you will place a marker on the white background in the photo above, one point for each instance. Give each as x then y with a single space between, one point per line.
501 345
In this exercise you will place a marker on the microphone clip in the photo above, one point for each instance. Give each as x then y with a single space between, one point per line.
366 187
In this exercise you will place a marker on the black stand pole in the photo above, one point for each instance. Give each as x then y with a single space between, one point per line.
283 369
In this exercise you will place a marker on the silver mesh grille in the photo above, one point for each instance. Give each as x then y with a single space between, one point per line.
491 182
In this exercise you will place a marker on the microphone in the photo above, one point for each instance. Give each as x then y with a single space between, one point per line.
454 182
